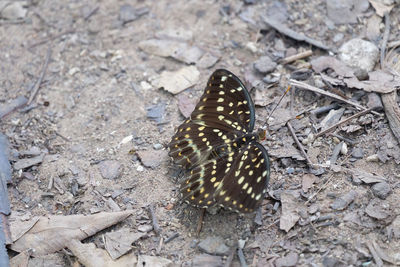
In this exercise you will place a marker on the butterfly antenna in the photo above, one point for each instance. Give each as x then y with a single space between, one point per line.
287 90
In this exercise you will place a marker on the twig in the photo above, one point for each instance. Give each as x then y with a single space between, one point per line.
392 112
91 13
317 90
298 56
45 40
385 39
229 260
156 226
371 248
172 237
242 259
319 189
299 145
35 89
294 35
200 222
343 121
160 245
14 105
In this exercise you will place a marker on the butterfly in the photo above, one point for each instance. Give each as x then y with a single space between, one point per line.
224 163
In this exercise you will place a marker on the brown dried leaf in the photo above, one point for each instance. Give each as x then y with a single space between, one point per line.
90 256
308 180
51 233
381 8
322 63
120 242
290 206
379 81
177 81
186 105
366 177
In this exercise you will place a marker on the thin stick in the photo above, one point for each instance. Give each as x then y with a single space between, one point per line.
299 145
35 89
343 121
385 38
375 255
172 237
320 91
200 222
229 260
298 56
294 35
319 189
280 99
45 40
242 259
156 226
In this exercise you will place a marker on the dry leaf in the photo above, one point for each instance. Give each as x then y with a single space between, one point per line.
308 180
290 207
186 105
177 81
21 260
120 242
381 8
51 233
366 177
90 256
379 81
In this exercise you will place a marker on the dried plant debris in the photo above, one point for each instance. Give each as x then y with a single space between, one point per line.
290 209
52 233
91 256
176 82
119 243
378 81
186 105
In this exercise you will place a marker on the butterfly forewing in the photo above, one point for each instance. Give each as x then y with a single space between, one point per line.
224 112
216 144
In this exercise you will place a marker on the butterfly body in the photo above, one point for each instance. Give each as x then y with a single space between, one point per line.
224 162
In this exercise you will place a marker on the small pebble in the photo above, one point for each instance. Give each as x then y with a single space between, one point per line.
140 168
264 65
145 228
357 153
214 245
290 170
373 158
344 149
157 146
381 190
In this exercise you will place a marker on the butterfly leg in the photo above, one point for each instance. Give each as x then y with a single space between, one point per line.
200 222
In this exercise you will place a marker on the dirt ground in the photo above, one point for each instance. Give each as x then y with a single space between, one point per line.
100 108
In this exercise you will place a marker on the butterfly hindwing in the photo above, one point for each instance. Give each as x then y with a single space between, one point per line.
244 187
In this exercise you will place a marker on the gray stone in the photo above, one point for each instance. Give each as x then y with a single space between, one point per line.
357 153
358 53
14 10
264 65
214 245
342 202
110 169
381 190
374 101
152 158
157 146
